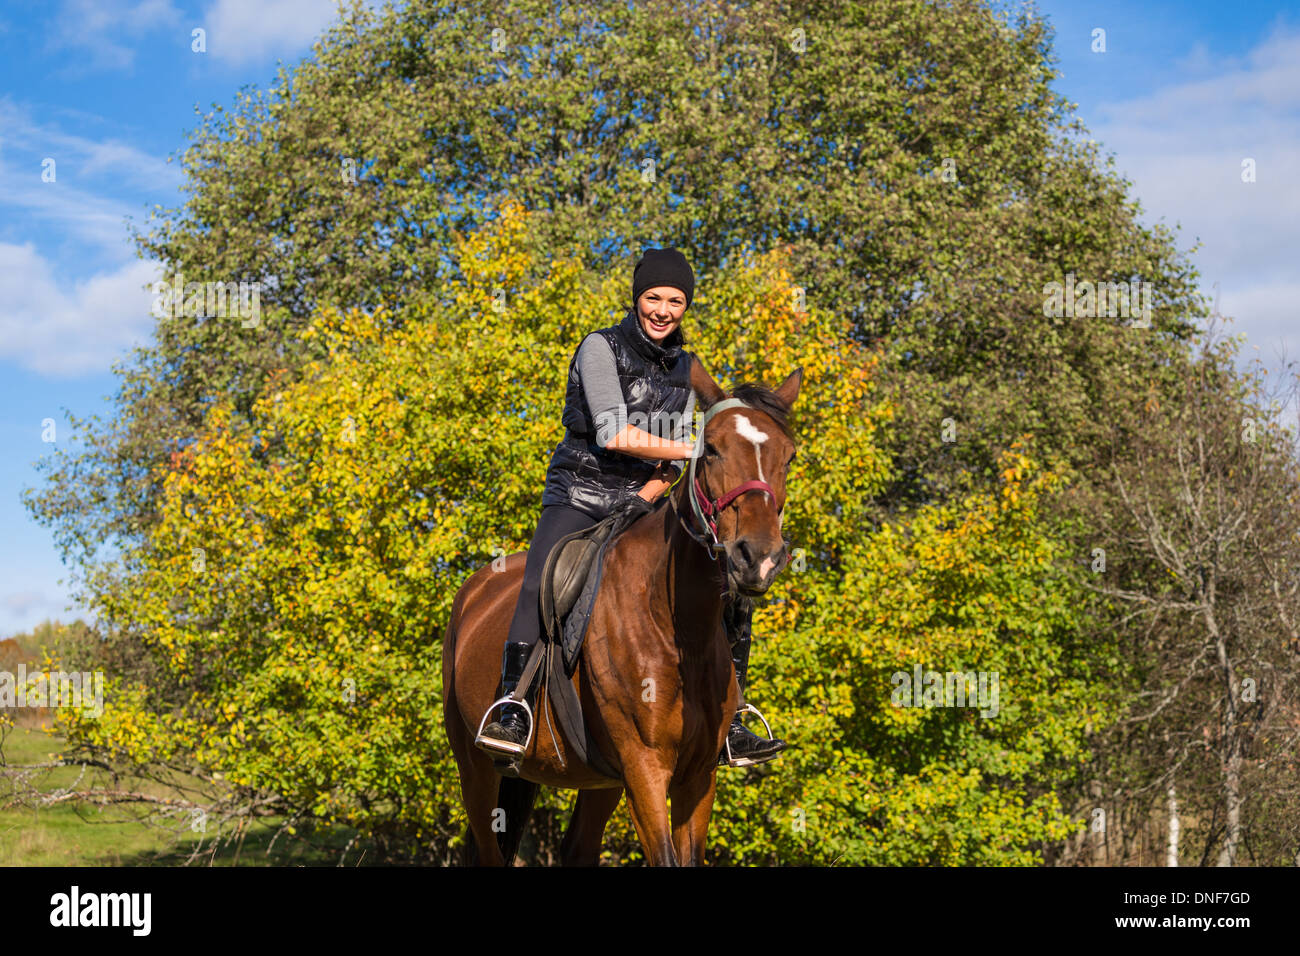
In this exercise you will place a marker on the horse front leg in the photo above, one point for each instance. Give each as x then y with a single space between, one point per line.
692 806
647 800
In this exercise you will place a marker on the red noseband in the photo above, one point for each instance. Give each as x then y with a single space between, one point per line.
712 508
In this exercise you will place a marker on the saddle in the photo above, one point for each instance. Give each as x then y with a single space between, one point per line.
571 577
567 569
570 581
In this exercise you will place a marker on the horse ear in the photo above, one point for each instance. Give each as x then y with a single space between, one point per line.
706 389
788 390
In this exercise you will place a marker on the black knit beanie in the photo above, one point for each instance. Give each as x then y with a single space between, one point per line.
663 267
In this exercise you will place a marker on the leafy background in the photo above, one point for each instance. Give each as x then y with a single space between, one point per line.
274 521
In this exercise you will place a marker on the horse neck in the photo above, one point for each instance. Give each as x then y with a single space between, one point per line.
692 581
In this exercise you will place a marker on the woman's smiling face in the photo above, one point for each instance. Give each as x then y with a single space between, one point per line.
660 311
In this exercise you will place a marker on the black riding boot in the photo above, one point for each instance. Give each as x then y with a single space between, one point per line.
746 748
509 732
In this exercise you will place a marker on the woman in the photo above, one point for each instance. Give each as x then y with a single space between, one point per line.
635 370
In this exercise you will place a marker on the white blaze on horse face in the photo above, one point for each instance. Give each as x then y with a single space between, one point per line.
747 430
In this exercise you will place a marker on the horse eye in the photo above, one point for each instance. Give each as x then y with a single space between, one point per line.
710 451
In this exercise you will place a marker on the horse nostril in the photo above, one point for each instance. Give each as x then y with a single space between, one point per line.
746 558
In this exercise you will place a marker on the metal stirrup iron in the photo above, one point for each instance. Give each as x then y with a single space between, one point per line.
750 709
516 697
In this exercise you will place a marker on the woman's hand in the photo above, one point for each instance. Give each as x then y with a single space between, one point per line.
660 481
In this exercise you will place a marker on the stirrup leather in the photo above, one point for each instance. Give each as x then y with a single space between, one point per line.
502 746
733 761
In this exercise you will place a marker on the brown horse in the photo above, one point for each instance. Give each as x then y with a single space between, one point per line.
654 676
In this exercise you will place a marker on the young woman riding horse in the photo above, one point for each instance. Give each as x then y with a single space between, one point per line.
637 368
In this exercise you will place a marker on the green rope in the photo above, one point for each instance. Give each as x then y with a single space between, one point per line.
675 480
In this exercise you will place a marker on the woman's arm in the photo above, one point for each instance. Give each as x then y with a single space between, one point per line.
639 442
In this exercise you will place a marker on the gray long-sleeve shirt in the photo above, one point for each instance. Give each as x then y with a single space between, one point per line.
604 395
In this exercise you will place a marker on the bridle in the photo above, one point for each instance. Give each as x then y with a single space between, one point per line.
707 510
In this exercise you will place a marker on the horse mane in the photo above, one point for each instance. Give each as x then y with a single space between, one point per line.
765 400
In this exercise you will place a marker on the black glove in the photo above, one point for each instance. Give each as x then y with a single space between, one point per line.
636 505
628 510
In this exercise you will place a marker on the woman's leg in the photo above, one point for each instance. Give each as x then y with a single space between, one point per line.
744 747
509 732
555 522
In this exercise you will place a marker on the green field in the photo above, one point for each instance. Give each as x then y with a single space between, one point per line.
81 834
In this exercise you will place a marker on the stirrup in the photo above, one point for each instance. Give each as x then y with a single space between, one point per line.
502 746
733 761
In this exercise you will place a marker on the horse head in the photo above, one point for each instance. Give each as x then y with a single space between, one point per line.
736 480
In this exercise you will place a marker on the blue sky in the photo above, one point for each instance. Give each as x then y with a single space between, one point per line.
108 89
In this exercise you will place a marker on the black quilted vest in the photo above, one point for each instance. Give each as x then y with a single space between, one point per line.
656 382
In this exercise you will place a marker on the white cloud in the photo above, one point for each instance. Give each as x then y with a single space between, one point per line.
1183 147
99 27
65 328
241 31
90 218
1273 308
49 322
21 603
108 32
22 610
21 132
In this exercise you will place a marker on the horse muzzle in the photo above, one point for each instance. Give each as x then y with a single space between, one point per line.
752 569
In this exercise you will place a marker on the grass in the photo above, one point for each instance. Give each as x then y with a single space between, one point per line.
82 834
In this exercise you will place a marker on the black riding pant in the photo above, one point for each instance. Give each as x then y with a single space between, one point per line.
556 522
